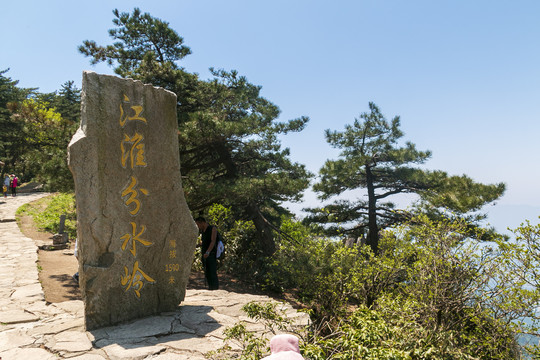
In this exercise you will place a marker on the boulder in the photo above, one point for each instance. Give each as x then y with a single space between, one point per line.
136 235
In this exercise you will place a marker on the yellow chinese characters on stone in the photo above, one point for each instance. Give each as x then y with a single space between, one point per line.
136 280
134 238
135 153
133 196
125 115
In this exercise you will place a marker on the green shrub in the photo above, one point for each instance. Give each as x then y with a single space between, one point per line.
242 258
48 219
393 330
426 295
254 347
432 292
330 277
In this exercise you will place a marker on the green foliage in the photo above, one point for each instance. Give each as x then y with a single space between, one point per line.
146 49
521 264
459 194
253 347
373 159
231 154
329 276
365 334
51 169
11 142
243 258
45 124
452 284
273 316
46 213
393 331
221 216
140 38
229 142
432 292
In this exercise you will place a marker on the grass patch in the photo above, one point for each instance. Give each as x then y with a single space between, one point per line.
46 213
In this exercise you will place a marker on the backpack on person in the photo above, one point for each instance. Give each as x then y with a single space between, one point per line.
220 247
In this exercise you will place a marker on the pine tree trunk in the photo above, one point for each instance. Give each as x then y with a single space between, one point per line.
264 231
373 230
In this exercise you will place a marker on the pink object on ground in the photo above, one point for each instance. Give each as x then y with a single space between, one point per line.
284 347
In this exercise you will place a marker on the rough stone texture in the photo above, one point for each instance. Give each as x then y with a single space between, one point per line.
14 338
27 353
147 327
71 341
136 236
28 292
88 357
17 316
134 351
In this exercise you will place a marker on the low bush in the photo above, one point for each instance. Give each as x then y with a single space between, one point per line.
46 213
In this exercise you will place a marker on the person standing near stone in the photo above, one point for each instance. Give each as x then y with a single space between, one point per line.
209 250
7 183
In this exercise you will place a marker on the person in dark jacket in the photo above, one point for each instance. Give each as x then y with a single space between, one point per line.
209 249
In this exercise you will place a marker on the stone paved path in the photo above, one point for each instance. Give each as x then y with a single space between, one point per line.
31 328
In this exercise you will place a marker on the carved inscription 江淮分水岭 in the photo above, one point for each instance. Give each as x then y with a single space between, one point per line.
135 278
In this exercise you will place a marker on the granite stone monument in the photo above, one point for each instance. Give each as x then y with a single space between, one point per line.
136 235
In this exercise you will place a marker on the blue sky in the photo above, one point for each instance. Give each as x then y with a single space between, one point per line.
463 75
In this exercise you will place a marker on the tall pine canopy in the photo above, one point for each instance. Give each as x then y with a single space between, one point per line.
229 147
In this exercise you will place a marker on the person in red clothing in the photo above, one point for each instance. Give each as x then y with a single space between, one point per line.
14 184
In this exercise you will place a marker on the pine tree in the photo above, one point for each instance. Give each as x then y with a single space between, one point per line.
229 150
373 159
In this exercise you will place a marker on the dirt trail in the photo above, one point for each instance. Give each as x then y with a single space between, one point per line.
56 267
